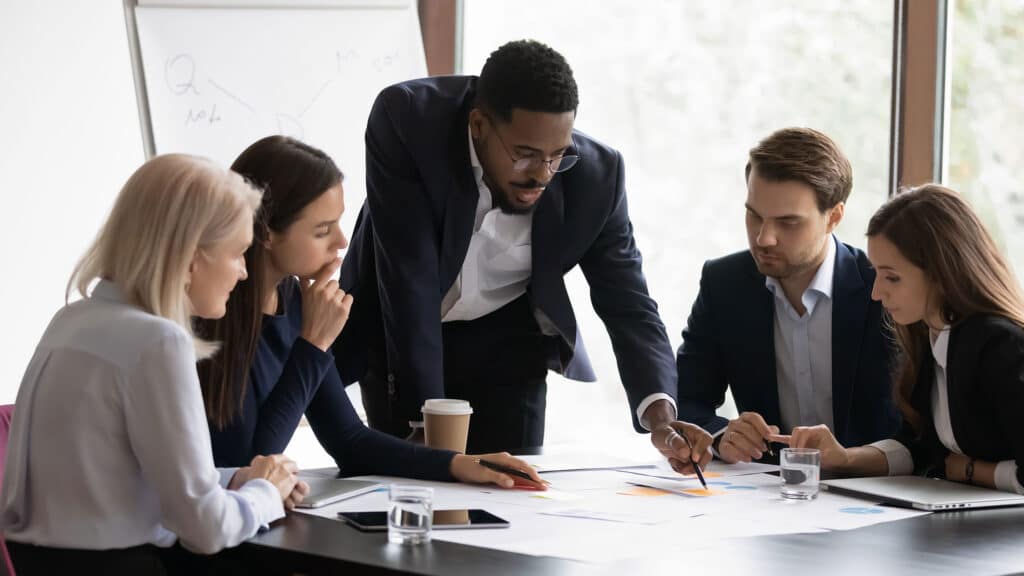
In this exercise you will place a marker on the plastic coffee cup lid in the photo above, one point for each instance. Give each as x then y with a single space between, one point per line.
445 406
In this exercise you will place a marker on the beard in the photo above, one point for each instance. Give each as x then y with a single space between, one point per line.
504 198
779 267
504 202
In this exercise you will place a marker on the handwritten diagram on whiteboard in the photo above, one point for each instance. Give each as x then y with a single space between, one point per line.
219 79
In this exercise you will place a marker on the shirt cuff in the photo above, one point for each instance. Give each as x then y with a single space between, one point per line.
897 457
714 443
265 500
651 400
226 474
1006 477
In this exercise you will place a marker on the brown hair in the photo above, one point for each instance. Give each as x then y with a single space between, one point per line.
804 155
292 175
937 231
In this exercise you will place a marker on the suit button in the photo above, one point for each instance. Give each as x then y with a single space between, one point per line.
391 384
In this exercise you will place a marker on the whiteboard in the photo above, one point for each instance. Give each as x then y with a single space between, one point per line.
218 79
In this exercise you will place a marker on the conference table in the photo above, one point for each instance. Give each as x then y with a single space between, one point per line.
984 541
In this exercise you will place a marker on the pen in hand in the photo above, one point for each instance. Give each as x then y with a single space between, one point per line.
693 460
506 470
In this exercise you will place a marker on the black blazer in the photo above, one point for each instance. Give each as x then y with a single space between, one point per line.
729 343
415 226
985 384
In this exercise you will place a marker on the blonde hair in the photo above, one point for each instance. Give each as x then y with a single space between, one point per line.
171 208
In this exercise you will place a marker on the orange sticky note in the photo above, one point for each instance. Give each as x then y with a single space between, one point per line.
704 492
706 475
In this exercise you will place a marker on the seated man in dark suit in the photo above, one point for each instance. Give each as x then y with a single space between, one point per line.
789 325
480 197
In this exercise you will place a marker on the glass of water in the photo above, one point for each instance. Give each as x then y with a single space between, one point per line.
410 513
800 469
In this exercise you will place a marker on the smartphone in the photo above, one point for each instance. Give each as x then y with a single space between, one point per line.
443 520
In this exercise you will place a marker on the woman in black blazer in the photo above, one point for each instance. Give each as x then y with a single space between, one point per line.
959 320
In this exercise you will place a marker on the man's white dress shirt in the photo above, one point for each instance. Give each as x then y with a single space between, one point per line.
498 265
803 349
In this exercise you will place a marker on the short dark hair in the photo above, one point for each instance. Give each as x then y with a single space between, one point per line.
529 75
808 156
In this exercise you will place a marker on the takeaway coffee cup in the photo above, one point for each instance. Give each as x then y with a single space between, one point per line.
446 423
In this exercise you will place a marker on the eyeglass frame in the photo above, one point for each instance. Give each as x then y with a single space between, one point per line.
536 162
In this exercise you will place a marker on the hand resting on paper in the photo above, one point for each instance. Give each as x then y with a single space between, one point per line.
466 468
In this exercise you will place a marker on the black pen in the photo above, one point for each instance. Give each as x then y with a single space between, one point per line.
776 439
696 467
506 470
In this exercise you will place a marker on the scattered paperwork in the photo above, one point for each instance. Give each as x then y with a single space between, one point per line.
614 515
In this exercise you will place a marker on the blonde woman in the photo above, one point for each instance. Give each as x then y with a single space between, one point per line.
109 462
959 318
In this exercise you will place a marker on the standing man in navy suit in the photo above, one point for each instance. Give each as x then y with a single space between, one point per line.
480 197
789 325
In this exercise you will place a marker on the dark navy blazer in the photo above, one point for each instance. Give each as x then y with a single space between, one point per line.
414 230
729 343
289 377
985 388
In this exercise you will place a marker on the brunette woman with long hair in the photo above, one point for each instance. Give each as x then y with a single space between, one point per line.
959 320
281 322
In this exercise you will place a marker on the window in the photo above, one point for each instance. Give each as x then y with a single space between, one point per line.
986 133
684 90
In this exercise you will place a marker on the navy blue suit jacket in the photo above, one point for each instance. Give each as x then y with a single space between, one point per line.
729 343
414 230
985 389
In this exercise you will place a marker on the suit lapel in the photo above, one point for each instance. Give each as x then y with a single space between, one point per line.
963 350
764 374
546 283
849 314
460 205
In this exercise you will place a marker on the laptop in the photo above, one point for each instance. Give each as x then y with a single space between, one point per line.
923 493
324 491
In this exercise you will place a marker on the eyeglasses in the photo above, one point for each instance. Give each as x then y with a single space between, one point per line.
531 163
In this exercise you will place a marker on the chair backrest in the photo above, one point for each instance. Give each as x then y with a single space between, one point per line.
6 411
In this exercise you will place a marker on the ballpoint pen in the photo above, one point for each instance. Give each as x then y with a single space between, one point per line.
776 439
507 470
696 467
